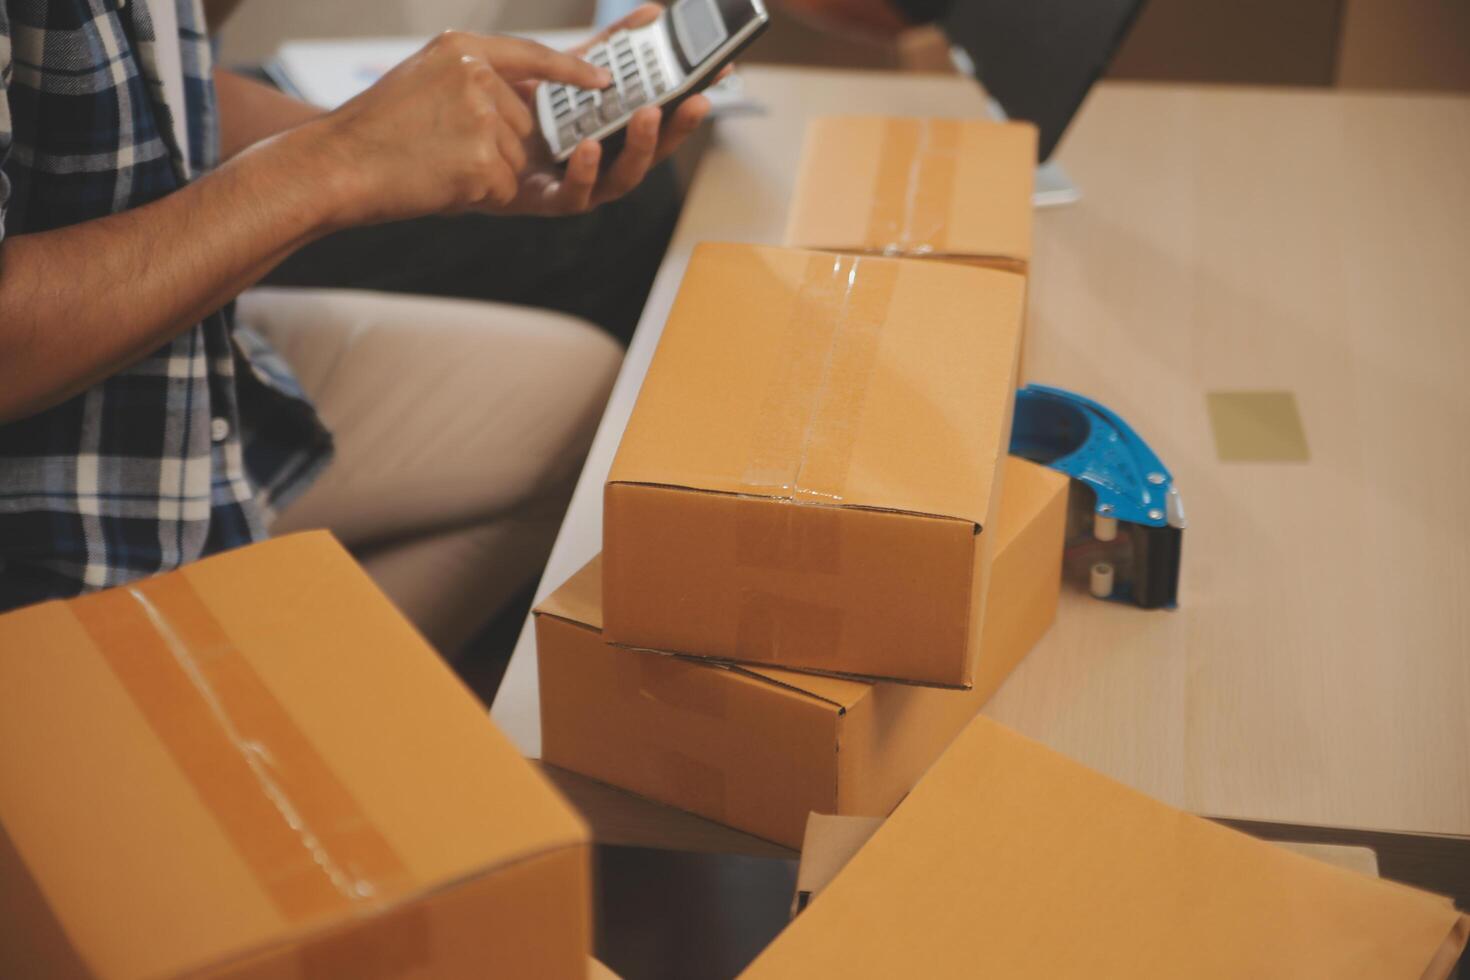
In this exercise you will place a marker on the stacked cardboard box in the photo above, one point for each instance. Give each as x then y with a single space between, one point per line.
811 531
758 748
255 767
811 473
949 189
818 562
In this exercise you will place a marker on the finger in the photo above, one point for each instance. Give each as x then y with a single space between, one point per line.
632 164
686 120
512 150
518 59
511 106
573 194
486 94
501 183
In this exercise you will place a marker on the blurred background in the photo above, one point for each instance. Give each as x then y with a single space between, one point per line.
1375 44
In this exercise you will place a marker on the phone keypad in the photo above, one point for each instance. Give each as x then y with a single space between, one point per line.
638 78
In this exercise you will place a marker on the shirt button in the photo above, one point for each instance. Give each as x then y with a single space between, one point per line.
219 429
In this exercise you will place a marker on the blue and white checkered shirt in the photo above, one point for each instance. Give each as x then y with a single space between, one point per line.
189 451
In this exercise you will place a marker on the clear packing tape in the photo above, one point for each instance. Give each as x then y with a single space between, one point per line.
294 824
915 187
802 446
957 190
802 450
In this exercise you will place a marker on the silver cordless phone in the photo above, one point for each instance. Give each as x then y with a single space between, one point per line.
660 64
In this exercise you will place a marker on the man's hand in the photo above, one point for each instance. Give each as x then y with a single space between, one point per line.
448 130
648 139
444 131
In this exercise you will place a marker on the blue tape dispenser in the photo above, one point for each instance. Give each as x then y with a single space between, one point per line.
1125 526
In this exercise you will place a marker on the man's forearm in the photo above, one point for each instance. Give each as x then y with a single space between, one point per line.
80 303
250 111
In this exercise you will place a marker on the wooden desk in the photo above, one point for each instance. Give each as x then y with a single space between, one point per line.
1318 670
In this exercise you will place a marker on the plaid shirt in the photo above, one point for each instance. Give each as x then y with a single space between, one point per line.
189 451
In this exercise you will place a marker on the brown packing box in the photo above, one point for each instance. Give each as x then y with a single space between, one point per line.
597 970
758 748
832 841
256 768
809 472
1010 860
952 189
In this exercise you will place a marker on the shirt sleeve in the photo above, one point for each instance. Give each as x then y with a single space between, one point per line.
923 11
7 134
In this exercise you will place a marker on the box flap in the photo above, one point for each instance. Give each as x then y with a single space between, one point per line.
831 380
902 186
579 598
830 842
838 690
275 750
1011 860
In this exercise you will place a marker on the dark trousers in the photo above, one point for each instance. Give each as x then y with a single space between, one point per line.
598 266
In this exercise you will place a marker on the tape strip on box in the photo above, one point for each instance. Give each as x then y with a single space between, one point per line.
805 539
803 447
791 397
915 188
660 679
780 629
802 443
826 455
292 821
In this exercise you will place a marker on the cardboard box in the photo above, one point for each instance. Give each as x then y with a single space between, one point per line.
1010 860
832 841
597 970
810 471
951 189
255 767
759 748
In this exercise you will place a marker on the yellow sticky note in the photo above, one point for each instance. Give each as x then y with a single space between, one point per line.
1257 427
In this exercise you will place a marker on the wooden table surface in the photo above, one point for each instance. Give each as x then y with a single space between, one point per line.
1318 669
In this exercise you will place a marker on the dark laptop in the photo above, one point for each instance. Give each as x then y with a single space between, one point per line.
1039 58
